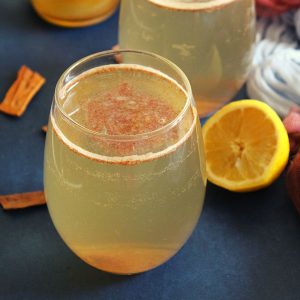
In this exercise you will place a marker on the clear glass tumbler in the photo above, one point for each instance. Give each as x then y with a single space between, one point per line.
210 40
74 13
124 165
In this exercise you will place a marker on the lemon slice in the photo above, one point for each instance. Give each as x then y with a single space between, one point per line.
246 145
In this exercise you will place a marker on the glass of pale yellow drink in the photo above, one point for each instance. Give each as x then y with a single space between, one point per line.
124 166
210 40
74 13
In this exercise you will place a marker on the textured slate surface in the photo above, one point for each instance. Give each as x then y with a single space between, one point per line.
244 247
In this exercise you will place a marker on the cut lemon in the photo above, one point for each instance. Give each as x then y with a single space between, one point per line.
246 145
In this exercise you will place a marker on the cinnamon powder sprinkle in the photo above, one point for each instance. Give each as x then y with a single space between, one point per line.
19 95
17 201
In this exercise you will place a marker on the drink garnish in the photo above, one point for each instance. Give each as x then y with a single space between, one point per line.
22 91
23 200
128 112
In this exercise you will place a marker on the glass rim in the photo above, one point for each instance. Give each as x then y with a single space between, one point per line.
187 89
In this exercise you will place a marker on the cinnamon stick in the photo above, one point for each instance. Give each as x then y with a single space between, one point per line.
21 92
17 201
118 57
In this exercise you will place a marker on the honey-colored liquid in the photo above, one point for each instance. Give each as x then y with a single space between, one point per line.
74 13
124 209
211 41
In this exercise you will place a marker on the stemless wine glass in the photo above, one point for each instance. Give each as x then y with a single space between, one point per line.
210 40
74 13
124 165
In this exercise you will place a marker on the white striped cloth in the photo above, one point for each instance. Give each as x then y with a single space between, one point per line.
275 74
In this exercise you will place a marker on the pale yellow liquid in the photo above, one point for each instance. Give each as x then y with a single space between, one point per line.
124 214
74 13
211 41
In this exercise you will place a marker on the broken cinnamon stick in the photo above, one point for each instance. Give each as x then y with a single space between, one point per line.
45 128
17 201
21 92
118 57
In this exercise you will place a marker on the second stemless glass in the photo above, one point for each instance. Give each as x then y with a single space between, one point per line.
210 40
124 165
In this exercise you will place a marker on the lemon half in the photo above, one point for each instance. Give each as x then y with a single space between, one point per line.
246 146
